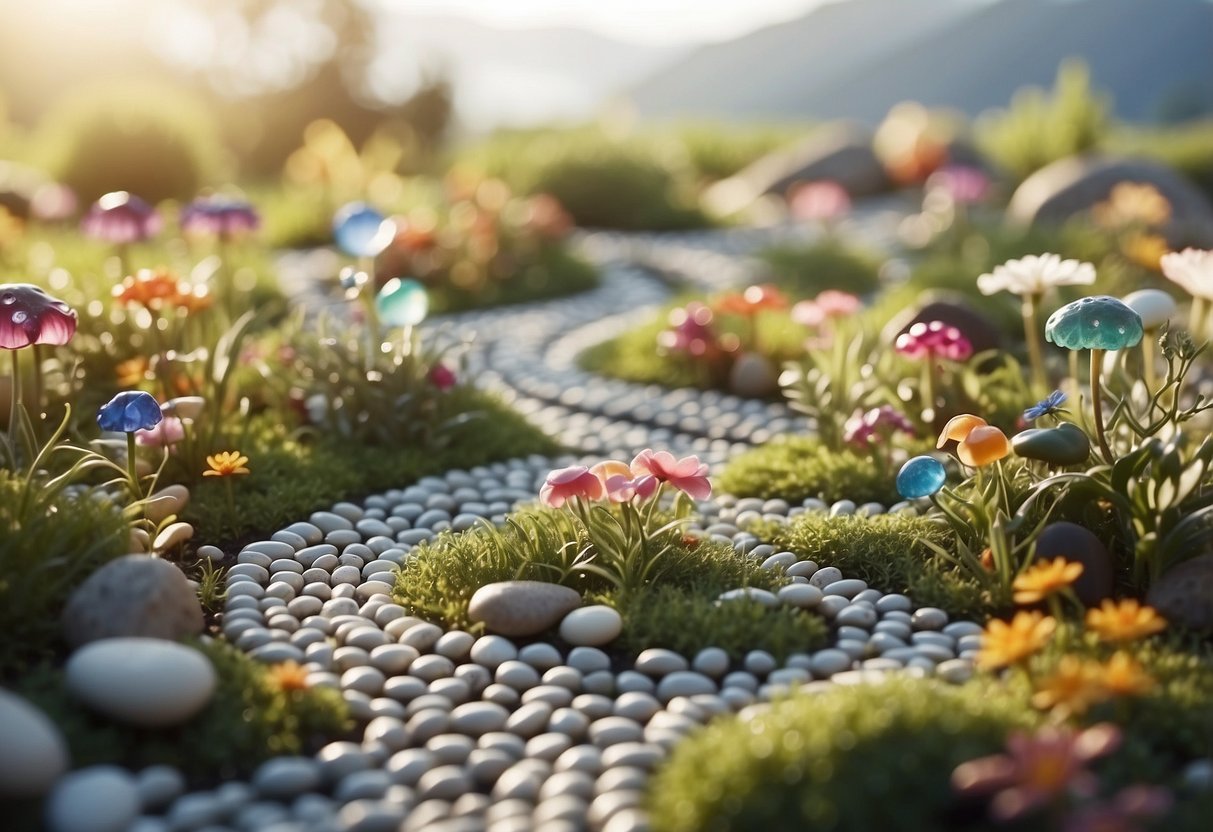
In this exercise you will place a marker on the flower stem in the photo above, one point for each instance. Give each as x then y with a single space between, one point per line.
1031 334
131 473
1196 318
1097 405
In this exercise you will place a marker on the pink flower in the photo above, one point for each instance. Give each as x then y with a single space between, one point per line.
819 201
690 331
1125 812
963 184
827 306
564 484
168 431
867 428
935 339
687 474
1038 769
441 376
621 489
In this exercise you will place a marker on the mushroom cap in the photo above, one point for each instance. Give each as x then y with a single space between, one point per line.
1098 322
1153 305
361 231
28 315
120 217
1066 444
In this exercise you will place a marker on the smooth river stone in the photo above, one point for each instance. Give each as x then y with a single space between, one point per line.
33 753
170 500
135 595
522 608
96 799
141 681
591 626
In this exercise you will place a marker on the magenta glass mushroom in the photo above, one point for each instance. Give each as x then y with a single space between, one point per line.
930 342
30 317
121 218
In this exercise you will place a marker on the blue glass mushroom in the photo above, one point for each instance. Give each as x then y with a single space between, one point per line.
921 476
1096 323
130 411
361 231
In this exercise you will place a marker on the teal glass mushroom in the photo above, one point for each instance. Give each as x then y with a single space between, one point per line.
1096 323
1066 444
402 303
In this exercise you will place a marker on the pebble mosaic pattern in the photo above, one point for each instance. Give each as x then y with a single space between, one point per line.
460 733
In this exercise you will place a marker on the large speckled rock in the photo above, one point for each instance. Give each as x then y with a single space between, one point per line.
1074 185
1184 594
753 376
135 595
522 608
33 753
141 681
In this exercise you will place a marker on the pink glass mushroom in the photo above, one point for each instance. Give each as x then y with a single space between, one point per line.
930 343
121 218
30 317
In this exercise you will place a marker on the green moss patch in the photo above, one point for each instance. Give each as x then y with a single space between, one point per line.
854 758
889 552
797 467
553 272
830 264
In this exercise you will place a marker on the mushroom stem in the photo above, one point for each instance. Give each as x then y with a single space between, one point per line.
131 471
1097 404
1031 335
1147 361
14 406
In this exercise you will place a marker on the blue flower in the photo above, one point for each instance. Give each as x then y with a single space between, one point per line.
130 411
1049 406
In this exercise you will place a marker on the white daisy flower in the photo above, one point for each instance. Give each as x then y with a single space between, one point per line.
1035 274
1192 270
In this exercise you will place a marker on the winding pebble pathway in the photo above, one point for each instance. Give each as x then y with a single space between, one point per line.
459 733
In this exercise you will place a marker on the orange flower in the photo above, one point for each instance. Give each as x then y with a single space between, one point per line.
226 464
1006 643
983 445
1045 578
1072 688
147 288
1124 676
753 300
1146 250
288 676
1132 203
1125 620
192 298
132 372
958 427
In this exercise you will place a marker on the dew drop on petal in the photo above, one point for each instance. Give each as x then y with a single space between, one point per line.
19 317
8 299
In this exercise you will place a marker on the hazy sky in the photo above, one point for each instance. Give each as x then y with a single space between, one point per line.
647 21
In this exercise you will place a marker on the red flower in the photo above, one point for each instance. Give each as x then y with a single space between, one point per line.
442 377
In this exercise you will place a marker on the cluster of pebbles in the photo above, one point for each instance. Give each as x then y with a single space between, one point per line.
459 732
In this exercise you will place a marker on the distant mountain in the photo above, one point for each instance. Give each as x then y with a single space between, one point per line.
1155 57
510 76
772 72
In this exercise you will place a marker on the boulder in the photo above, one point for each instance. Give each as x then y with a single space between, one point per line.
1184 593
1072 186
135 595
753 376
1075 543
842 154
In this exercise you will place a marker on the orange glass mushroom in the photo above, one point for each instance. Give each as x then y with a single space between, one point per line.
983 444
958 427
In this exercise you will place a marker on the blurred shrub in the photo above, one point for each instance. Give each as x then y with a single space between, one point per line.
630 183
717 151
806 271
1186 147
143 137
1039 128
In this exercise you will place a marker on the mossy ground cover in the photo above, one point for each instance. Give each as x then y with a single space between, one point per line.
553 272
677 609
881 756
830 264
794 468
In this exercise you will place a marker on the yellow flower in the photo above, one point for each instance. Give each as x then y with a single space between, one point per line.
288 676
1125 620
1124 676
1045 578
1072 688
1132 203
1006 643
226 464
